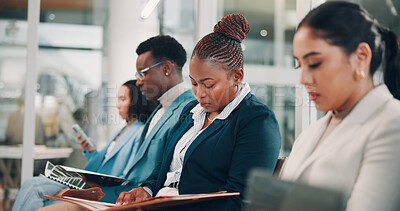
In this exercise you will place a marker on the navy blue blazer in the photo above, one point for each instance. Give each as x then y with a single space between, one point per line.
220 158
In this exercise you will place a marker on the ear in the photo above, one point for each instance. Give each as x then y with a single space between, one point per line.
361 60
168 67
238 76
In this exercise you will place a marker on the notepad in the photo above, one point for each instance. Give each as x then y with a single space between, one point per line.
150 204
72 177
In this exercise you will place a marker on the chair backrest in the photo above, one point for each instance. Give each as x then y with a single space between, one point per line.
279 165
266 193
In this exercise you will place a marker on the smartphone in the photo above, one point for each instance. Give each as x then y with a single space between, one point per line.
79 131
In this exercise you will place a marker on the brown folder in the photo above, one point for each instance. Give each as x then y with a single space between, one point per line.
150 204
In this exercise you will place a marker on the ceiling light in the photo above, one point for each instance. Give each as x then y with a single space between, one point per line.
52 16
148 9
263 33
392 9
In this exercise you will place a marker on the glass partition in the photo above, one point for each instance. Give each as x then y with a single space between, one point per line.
69 71
269 59
177 20
13 49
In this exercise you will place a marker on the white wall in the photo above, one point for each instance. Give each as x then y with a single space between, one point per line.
126 30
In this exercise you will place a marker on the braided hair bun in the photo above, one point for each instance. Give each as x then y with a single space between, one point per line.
223 46
234 26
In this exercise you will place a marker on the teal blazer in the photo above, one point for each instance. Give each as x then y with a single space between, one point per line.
115 163
220 158
146 161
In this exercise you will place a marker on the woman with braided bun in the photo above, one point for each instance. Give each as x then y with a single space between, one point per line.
223 134
355 148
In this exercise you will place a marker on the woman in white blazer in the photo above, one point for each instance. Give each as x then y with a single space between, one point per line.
355 148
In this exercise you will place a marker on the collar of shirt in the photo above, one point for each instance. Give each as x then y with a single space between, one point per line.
169 96
198 111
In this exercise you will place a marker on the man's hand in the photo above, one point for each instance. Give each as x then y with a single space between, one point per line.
85 145
135 195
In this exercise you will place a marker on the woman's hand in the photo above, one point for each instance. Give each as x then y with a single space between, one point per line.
85 145
135 195
90 194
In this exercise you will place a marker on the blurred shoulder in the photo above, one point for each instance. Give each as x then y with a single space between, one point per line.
392 108
389 116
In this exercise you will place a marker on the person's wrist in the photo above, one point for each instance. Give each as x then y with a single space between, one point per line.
147 189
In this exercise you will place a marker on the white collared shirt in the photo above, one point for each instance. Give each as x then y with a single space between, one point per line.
166 100
199 116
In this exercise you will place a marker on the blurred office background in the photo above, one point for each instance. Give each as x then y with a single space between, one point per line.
87 50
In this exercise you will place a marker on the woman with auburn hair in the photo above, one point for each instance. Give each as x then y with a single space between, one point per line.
355 148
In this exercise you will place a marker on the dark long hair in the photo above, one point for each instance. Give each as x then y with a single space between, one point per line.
347 25
139 107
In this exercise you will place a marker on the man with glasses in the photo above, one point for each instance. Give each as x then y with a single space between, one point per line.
159 76
159 73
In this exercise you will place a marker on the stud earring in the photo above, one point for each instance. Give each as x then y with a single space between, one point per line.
360 74
166 73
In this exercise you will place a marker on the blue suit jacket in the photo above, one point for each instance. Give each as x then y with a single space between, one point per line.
147 159
221 156
115 163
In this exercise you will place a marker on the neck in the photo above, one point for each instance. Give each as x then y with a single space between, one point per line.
357 95
212 115
171 83
130 121
175 81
